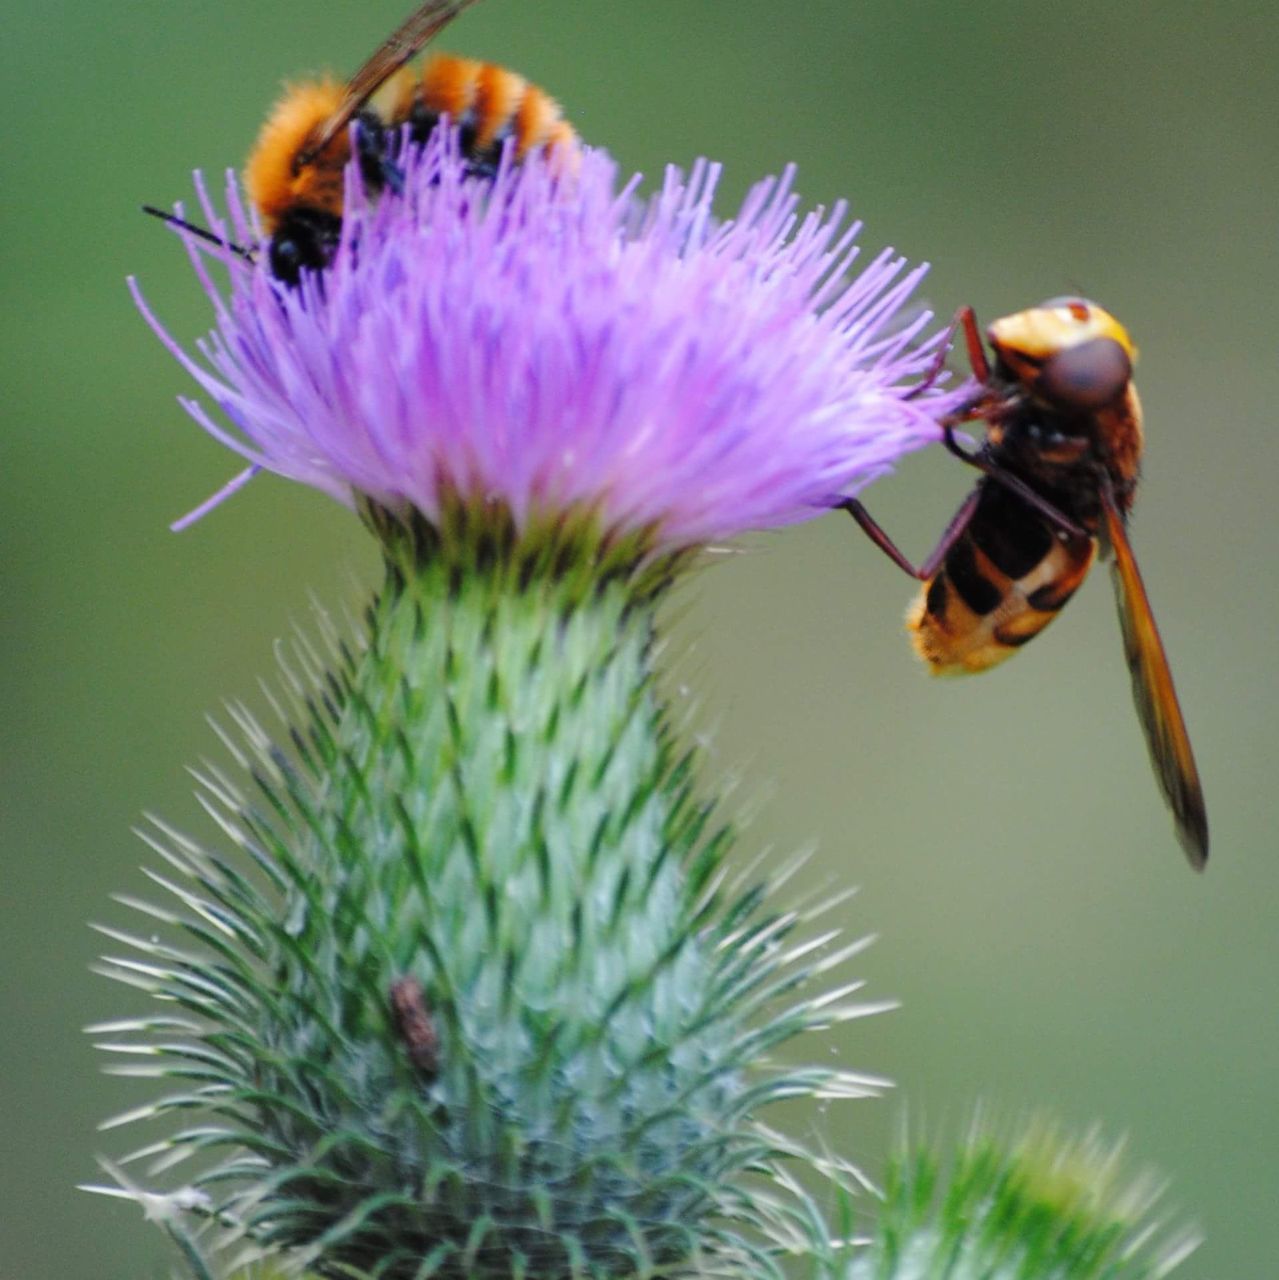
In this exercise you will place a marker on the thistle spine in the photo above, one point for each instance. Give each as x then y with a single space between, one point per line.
486 1008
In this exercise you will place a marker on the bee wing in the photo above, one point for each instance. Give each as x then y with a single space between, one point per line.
417 30
1153 692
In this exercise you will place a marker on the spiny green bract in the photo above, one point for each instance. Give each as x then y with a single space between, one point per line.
471 999
1042 1206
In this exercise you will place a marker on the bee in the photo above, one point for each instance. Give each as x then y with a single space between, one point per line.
1060 466
294 173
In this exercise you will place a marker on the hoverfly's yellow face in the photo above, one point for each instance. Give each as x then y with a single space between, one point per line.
1067 352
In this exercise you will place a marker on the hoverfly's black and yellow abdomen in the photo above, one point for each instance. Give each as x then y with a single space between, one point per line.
1001 584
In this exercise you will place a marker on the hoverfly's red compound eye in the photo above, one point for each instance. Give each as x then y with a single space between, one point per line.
1085 377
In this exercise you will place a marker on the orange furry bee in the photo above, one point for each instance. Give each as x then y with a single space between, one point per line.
1060 462
294 174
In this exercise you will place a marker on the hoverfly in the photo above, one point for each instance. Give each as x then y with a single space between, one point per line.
1060 466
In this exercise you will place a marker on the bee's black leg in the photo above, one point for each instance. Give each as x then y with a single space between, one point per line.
374 144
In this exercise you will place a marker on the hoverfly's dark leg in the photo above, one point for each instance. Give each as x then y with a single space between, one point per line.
933 561
1009 481
966 319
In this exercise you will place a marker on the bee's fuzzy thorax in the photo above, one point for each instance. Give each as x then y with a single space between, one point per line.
275 183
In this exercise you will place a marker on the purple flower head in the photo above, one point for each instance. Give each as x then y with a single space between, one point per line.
555 342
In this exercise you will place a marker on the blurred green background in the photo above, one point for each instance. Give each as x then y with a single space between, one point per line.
1037 919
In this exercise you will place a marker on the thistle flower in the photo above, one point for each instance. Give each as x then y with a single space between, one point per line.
471 994
560 344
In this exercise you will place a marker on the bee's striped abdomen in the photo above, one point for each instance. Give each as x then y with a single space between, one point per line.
1001 584
489 104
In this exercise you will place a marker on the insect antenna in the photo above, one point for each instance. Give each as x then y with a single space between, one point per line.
173 220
